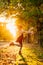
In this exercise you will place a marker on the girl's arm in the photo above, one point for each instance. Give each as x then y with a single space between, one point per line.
29 31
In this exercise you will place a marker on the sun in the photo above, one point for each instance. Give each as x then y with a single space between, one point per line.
12 28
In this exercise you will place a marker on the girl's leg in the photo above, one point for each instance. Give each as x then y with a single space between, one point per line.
20 48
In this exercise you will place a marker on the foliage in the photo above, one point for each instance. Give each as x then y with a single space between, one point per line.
27 9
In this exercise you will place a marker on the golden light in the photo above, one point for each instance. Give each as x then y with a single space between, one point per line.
10 24
2 19
12 28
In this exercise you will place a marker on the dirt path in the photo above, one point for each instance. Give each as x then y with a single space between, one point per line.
31 55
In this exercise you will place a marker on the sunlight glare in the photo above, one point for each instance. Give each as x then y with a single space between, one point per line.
12 28
2 19
10 24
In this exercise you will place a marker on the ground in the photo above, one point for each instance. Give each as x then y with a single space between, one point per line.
31 55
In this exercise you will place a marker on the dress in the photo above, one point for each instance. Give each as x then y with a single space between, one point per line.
19 39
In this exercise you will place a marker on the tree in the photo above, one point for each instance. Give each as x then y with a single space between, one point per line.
27 9
38 3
